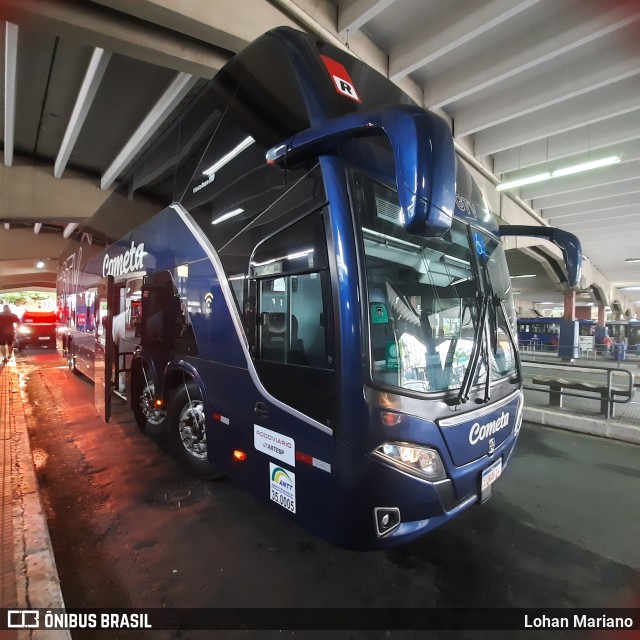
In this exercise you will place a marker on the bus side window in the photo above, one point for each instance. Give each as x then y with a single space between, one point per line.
295 319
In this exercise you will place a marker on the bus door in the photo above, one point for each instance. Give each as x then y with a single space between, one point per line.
125 331
104 347
295 339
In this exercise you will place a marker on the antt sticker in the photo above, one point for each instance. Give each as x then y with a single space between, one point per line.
341 78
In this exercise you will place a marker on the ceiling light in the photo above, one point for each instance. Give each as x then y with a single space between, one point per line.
565 171
522 181
40 265
525 275
630 288
586 166
632 260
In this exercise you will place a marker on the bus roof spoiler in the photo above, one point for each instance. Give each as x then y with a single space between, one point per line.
423 151
567 242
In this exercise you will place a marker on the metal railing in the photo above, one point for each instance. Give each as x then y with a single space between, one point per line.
581 381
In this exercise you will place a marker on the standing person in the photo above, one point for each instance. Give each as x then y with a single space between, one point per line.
7 332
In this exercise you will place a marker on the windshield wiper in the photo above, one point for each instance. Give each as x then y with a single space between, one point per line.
479 342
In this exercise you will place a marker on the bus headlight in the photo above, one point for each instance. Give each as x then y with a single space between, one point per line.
24 330
420 461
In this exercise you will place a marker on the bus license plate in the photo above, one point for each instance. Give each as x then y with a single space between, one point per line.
45 338
489 476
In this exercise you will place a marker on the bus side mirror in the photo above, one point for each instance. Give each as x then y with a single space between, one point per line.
567 242
422 148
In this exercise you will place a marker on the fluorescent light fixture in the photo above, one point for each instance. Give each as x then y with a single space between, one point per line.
565 171
632 260
69 229
226 216
509 184
216 166
525 275
586 166
630 288
40 265
291 256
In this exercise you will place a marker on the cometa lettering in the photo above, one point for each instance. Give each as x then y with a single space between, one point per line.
131 260
482 432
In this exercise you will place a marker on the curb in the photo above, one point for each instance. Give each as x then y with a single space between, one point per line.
582 424
37 581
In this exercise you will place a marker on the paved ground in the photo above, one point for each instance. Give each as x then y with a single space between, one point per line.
130 529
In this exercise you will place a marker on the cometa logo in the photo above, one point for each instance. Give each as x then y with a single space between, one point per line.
482 432
131 260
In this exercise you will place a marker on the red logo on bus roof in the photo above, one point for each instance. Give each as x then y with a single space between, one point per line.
341 79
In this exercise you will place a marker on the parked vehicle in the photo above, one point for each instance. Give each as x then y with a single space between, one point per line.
37 328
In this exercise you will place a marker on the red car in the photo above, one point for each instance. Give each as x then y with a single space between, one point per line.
37 328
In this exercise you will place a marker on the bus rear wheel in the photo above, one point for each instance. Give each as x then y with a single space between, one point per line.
150 419
71 359
187 433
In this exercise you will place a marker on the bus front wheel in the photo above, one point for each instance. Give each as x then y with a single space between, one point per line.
150 419
187 434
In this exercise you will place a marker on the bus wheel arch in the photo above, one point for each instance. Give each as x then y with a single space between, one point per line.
186 430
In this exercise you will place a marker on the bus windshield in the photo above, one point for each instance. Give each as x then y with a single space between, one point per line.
431 301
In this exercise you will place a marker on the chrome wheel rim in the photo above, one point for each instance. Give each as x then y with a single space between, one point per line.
191 427
149 411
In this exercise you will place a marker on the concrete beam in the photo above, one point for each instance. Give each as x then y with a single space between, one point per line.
604 135
30 193
549 203
353 16
603 68
227 24
578 211
569 29
21 244
435 39
607 175
601 104
92 24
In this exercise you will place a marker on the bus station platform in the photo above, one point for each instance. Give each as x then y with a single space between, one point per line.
28 566
582 413
28 572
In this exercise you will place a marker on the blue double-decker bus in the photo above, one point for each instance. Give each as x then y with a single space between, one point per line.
299 286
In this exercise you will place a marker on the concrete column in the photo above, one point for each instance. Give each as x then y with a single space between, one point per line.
568 347
601 315
569 304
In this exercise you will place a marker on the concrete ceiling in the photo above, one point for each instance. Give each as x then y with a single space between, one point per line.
529 86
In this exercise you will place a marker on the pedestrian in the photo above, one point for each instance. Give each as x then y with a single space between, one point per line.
607 342
8 321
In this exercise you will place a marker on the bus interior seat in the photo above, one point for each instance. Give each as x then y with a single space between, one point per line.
273 339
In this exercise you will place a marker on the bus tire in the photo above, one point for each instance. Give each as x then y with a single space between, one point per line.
186 432
71 359
152 421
